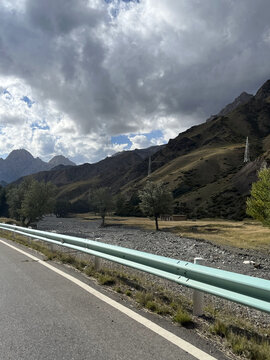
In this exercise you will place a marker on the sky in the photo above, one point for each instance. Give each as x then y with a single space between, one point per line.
88 78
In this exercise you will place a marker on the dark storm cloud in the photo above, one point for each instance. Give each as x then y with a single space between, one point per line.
60 17
155 60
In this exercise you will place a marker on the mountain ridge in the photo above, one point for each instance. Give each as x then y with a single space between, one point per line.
203 166
21 162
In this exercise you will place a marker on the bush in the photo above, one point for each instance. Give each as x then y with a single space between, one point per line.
258 205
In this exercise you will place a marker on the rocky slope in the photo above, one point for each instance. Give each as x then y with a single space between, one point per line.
240 100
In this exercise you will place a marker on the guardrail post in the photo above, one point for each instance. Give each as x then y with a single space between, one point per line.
51 247
198 295
97 263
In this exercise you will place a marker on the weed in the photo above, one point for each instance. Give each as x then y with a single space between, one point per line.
143 298
67 259
238 344
163 310
248 347
89 270
219 328
106 280
182 317
118 289
151 305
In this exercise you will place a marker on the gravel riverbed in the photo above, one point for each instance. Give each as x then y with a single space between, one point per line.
248 262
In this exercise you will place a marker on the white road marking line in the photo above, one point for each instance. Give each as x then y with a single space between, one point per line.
182 344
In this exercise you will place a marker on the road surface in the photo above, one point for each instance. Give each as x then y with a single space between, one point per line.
44 315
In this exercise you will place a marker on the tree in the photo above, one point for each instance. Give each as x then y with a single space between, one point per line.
15 195
155 200
61 208
133 205
103 202
29 201
258 205
37 201
120 205
3 202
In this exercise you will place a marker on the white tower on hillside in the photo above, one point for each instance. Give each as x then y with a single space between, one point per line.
246 156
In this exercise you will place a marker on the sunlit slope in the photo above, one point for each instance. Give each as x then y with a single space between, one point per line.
202 181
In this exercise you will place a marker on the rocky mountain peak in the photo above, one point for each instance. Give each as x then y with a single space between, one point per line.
20 155
21 163
264 91
60 160
242 99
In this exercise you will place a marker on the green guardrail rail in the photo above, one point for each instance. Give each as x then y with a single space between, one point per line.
247 290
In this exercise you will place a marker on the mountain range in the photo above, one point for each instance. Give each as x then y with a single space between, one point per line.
203 166
21 163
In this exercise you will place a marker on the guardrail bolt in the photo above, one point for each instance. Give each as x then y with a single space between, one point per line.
198 295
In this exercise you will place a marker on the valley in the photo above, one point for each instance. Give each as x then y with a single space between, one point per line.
203 167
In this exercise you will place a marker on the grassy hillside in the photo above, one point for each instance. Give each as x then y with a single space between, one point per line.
201 181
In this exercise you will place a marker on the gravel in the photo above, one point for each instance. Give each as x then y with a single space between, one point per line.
248 262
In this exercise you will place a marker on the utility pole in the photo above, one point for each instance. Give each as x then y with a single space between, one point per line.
246 156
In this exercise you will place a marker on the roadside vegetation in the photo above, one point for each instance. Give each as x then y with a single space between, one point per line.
28 201
234 334
258 204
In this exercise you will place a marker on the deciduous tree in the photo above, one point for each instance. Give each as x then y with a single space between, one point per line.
258 205
29 201
155 200
61 208
102 200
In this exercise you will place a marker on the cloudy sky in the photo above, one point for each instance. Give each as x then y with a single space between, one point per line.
87 78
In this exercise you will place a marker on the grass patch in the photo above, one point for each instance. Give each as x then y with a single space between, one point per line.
104 279
118 289
183 317
250 347
10 221
219 328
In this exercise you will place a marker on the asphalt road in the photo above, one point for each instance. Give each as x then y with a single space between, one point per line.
46 316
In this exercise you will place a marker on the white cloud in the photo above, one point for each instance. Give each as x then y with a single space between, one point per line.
158 64
142 141
139 142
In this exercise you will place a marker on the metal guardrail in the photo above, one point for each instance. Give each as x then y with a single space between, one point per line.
247 290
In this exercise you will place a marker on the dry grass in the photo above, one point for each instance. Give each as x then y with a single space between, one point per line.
246 234
10 221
